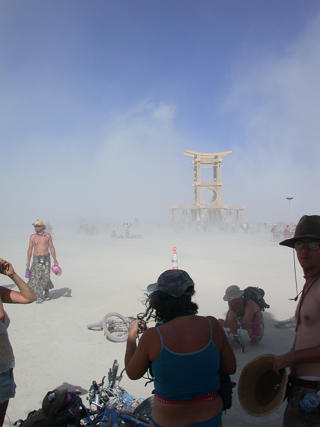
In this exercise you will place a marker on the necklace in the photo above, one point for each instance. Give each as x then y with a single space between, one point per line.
38 235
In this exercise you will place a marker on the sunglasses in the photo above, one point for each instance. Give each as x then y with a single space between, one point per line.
311 245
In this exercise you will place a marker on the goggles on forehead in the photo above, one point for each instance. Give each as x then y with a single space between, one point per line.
311 245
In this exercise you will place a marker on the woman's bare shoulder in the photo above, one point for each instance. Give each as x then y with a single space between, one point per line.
150 333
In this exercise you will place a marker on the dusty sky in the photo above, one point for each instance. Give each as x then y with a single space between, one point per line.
100 99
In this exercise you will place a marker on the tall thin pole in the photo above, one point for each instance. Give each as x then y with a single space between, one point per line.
289 198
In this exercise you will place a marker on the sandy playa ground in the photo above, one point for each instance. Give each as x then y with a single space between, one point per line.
53 346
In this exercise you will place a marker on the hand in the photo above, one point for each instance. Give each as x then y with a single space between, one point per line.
142 326
133 330
7 268
280 363
222 322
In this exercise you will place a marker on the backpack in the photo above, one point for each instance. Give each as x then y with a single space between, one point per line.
56 413
257 295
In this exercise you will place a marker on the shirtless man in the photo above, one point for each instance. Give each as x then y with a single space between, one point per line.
248 312
304 358
40 243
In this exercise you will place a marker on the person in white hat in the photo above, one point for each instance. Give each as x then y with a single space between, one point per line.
41 246
304 357
246 311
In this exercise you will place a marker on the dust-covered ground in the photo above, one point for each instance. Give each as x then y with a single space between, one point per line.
52 344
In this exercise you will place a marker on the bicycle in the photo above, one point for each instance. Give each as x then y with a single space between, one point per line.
116 327
114 407
235 340
291 322
114 404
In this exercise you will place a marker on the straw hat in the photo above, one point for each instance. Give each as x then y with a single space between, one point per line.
260 390
39 223
308 226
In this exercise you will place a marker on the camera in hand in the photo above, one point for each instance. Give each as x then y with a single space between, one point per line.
1 267
142 326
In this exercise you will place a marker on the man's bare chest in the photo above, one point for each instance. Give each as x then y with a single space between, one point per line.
308 309
40 241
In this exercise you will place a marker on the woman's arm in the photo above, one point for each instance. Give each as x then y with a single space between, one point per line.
137 359
23 296
228 362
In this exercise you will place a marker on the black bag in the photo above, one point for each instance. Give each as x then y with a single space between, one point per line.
60 415
257 295
225 390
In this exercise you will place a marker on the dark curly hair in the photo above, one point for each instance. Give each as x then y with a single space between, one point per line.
164 307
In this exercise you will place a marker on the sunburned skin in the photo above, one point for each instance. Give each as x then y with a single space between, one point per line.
307 333
40 243
304 358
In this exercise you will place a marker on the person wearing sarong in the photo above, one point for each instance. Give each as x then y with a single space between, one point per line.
40 281
41 246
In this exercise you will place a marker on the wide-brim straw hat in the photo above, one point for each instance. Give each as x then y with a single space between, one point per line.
307 227
260 390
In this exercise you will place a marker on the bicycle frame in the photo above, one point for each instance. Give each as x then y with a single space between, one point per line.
236 338
103 418
114 404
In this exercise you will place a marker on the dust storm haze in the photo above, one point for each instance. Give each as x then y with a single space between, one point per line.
62 162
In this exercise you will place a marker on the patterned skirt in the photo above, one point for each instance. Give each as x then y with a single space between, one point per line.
39 280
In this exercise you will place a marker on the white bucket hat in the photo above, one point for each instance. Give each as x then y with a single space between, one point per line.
233 292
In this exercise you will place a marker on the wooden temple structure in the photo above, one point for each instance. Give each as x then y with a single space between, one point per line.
210 209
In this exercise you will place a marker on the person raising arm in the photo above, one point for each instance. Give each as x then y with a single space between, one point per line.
9 296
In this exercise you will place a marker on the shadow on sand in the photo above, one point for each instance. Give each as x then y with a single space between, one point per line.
62 292
80 390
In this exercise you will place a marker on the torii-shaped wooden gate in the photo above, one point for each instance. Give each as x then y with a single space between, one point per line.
214 208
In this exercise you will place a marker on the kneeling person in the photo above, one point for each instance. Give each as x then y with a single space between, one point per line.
247 311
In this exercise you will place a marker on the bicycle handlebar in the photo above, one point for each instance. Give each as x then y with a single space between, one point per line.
113 373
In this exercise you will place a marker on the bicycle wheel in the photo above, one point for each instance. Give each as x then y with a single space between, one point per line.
142 412
95 326
115 327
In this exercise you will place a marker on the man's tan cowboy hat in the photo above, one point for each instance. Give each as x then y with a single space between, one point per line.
233 292
260 390
308 226
39 223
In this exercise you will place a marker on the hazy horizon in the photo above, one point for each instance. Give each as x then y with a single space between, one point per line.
100 103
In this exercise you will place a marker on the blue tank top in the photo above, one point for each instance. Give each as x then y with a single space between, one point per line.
182 376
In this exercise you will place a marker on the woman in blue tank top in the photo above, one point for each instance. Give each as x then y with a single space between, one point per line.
185 352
